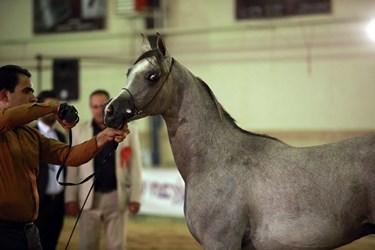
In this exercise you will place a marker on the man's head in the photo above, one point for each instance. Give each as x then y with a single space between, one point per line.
16 87
97 99
48 96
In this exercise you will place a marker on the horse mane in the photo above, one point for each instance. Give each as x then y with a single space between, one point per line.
222 112
225 115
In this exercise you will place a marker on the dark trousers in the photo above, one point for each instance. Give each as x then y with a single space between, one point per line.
19 236
50 220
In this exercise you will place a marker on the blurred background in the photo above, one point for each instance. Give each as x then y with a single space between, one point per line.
299 70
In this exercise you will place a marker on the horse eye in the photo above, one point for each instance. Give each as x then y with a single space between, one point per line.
152 76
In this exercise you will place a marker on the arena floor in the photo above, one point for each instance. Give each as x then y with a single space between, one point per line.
160 233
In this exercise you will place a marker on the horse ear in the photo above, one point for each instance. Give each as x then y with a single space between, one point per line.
145 43
161 44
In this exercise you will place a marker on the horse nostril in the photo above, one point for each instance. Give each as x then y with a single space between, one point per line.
109 110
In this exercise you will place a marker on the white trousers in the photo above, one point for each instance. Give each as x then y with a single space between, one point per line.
105 214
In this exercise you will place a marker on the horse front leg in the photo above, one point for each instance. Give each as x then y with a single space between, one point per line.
247 242
218 229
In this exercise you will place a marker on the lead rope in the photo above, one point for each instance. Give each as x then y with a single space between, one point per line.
114 146
79 215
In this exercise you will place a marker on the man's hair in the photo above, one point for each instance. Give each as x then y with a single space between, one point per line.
43 95
9 75
100 92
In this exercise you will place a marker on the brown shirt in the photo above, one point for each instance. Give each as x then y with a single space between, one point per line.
21 150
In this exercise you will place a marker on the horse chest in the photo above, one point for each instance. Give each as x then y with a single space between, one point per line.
281 235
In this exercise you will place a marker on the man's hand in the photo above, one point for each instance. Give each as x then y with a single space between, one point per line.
111 134
65 110
134 207
65 124
71 208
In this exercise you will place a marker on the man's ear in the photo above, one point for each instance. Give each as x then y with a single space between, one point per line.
3 95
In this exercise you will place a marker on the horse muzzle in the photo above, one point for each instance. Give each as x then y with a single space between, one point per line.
116 112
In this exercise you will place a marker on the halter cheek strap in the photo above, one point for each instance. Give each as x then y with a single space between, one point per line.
136 112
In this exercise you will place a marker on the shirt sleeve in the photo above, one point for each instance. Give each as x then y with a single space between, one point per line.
59 153
24 114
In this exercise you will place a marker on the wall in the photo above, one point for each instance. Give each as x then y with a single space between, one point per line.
307 80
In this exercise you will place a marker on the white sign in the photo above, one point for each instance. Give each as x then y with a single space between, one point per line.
163 192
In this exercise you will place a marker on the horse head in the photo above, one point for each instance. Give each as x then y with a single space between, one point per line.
145 86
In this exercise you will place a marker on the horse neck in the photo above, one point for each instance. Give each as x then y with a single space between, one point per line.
194 123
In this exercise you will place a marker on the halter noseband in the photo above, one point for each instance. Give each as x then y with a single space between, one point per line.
139 111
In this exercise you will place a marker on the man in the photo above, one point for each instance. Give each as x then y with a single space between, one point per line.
51 193
117 186
22 148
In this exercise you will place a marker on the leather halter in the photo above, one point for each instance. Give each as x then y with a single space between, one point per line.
136 111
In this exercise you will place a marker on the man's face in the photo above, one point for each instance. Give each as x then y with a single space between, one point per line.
96 103
23 93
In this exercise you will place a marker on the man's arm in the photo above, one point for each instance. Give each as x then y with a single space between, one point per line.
24 114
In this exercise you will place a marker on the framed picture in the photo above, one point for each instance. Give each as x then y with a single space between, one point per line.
254 9
56 16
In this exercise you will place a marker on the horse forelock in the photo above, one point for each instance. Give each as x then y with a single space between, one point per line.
147 54
152 53
225 115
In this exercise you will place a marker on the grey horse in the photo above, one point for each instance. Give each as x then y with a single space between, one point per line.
245 190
